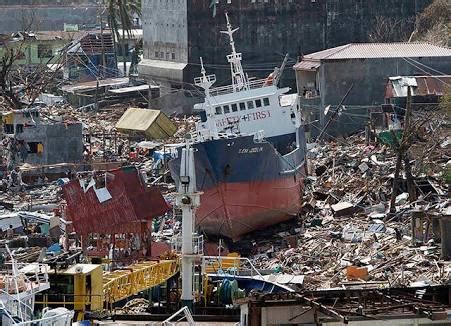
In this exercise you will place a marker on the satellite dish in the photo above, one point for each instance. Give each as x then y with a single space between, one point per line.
326 110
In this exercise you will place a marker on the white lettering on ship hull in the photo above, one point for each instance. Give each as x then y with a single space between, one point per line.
250 150
251 116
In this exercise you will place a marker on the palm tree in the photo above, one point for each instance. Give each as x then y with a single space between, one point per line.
120 17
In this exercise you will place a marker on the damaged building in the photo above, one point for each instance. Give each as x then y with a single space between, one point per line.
40 142
426 91
89 56
323 78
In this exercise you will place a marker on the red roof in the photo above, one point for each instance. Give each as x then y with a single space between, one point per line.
131 202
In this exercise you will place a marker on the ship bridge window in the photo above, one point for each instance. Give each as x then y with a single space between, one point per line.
266 101
258 103
226 109
234 107
242 106
250 105
218 110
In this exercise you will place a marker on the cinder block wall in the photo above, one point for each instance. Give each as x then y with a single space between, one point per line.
62 143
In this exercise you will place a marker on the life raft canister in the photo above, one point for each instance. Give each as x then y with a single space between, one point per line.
269 80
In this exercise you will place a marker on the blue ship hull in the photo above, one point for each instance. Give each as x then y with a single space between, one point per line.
247 184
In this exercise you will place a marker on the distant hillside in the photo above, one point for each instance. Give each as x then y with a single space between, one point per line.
46 14
433 24
45 2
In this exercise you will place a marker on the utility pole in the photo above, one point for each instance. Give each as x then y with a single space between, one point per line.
339 108
409 133
102 75
125 55
402 155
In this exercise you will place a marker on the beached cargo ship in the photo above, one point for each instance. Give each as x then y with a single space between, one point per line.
250 152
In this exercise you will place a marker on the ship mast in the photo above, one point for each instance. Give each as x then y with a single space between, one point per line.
239 80
205 82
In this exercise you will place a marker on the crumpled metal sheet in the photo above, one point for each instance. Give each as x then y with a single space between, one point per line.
131 202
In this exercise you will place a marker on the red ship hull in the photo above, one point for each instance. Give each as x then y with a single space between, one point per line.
236 208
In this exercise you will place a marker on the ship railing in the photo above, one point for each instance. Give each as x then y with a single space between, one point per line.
253 84
15 306
198 244
62 318
199 80
185 313
25 279
201 135
229 266
5 311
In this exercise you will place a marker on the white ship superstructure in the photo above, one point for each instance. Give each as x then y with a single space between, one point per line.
247 106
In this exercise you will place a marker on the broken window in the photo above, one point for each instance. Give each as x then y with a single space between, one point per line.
44 51
9 129
35 148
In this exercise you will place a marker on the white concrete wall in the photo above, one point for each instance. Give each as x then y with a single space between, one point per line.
165 30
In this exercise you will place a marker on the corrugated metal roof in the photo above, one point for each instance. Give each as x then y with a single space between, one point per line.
76 87
131 89
163 64
421 85
307 65
130 202
380 50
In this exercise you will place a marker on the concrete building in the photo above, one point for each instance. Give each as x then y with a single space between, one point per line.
176 33
45 143
324 77
47 15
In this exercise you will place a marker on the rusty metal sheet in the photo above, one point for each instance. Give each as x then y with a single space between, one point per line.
130 202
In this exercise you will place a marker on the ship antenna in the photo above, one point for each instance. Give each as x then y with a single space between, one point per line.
239 79
205 82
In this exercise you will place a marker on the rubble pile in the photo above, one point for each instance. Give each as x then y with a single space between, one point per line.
94 121
349 235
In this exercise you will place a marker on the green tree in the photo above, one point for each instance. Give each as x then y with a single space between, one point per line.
120 17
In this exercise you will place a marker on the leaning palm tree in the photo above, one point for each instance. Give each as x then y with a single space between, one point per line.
120 17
